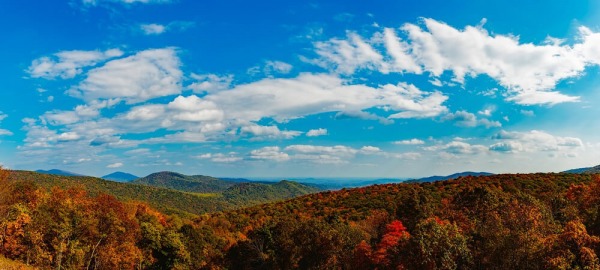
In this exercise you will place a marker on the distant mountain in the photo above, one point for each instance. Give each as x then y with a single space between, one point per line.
120 177
169 200
59 172
578 170
590 170
188 183
447 177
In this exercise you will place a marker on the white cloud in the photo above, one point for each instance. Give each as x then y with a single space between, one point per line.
286 99
204 156
486 112
322 154
210 82
467 119
347 56
368 150
225 158
145 75
269 153
153 29
534 141
68 64
410 142
528 72
268 132
458 148
220 157
277 67
68 136
217 116
4 132
316 132
115 165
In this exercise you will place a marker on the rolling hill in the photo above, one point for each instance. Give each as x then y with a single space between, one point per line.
170 200
177 181
255 193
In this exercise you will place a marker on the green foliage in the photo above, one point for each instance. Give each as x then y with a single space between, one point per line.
177 181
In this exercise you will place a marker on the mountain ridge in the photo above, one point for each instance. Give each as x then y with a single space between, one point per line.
436 178
59 172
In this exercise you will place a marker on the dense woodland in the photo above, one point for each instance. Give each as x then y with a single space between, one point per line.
182 199
512 221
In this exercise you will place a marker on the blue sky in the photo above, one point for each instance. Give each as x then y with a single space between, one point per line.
311 88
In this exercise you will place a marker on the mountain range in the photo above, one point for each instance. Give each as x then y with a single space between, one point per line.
58 172
174 193
447 177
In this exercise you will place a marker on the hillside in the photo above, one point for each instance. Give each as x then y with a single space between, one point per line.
254 193
508 221
164 199
120 177
177 181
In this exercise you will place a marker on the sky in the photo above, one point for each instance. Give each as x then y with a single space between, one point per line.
300 88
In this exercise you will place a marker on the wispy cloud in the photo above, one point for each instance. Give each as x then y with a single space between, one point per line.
527 71
68 64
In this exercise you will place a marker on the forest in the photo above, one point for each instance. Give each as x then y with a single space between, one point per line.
507 221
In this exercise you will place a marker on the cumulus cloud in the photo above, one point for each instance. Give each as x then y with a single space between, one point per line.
528 72
216 116
410 142
367 150
68 64
286 99
467 119
316 132
269 153
533 141
268 132
147 74
458 147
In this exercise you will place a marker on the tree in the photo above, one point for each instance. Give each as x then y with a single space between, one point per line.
439 244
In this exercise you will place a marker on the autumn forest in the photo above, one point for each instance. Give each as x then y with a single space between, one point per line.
510 221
